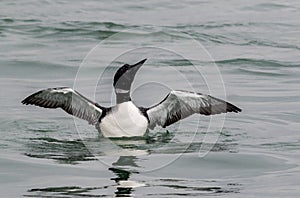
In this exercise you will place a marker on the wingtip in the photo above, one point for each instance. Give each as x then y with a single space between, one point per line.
233 108
25 101
237 110
29 99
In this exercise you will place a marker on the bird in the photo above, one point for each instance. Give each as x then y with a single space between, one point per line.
126 119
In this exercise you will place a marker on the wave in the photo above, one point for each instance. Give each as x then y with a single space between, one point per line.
37 28
259 67
271 44
256 62
35 65
260 72
11 20
240 41
268 6
216 25
237 33
98 30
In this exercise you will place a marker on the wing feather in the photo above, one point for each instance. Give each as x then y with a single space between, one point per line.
178 105
69 100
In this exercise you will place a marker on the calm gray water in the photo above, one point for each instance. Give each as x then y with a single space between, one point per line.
255 45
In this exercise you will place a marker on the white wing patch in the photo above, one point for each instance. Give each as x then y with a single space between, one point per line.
61 90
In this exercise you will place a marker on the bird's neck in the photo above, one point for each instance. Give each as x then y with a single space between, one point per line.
123 97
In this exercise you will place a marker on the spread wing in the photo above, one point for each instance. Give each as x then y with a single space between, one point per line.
178 105
69 100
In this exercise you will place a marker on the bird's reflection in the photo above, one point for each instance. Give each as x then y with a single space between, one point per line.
122 175
126 161
121 168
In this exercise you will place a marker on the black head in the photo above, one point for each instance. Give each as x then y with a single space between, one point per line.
124 77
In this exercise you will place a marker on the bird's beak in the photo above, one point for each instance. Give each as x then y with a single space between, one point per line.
139 64
134 68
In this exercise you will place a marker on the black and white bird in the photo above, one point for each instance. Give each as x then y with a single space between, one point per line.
125 119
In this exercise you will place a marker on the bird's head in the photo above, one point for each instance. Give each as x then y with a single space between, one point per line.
124 77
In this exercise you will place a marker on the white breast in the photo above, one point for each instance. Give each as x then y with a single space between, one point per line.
124 120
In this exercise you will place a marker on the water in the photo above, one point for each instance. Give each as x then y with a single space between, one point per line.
255 45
